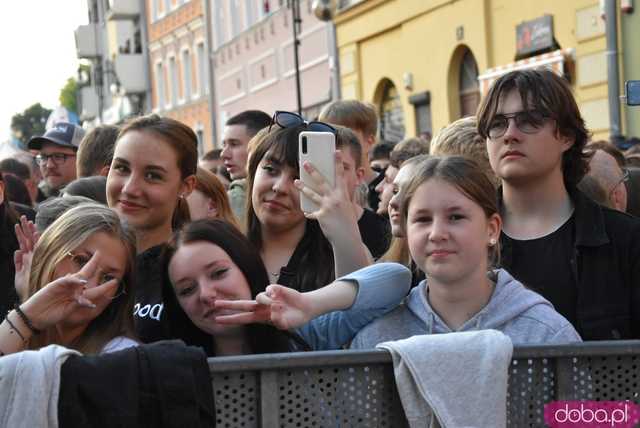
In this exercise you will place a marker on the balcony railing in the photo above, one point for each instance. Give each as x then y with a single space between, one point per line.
122 10
87 41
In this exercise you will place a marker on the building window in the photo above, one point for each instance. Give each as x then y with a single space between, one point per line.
186 74
219 24
154 10
200 135
469 86
160 79
251 12
422 106
203 83
391 115
173 80
234 10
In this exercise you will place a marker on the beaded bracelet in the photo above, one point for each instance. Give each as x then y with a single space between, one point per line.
14 328
27 321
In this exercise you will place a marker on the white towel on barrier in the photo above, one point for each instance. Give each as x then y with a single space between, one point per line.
461 378
29 387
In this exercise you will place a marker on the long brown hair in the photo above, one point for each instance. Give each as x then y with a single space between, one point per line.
210 186
184 143
467 176
64 235
317 265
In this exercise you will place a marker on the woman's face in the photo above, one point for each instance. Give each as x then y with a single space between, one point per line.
448 233
201 273
144 181
399 182
112 264
201 206
276 201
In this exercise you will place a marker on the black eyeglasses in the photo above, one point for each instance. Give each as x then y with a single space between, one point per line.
287 119
528 121
58 158
624 179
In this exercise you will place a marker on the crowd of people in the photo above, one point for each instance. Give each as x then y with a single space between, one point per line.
513 220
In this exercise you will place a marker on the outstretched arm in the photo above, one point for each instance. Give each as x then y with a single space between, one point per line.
329 317
287 308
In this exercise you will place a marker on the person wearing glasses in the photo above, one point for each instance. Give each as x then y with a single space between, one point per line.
583 258
607 167
79 292
300 250
57 155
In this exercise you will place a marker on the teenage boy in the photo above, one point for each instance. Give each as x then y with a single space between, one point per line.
584 258
362 119
237 132
96 151
375 230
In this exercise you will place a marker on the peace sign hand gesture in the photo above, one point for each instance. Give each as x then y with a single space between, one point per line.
58 299
281 306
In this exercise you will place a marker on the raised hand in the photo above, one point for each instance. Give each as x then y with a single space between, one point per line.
58 299
281 306
27 236
335 213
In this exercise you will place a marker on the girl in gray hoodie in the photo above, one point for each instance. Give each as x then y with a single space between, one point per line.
450 215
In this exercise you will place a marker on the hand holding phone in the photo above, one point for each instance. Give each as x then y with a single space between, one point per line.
317 148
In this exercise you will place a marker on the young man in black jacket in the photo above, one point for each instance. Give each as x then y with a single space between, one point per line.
584 258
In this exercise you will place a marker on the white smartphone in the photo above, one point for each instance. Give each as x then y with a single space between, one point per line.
319 149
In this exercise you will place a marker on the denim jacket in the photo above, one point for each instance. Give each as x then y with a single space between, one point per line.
381 287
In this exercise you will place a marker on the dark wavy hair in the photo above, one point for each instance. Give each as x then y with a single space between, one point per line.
544 91
262 338
316 268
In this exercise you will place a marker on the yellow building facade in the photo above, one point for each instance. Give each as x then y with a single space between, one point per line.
425 63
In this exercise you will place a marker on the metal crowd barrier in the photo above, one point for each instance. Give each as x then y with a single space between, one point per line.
357 388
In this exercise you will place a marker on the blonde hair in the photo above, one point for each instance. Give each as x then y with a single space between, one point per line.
463 139
407 149
353 114
66 234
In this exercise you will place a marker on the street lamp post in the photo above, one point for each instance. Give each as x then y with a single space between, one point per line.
297 21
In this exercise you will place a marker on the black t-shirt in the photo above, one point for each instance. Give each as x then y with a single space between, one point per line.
375 231
372 197
544 266
149 305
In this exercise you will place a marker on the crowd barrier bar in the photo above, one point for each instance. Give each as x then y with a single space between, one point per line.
357 388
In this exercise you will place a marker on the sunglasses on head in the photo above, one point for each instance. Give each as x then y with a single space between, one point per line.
287 119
